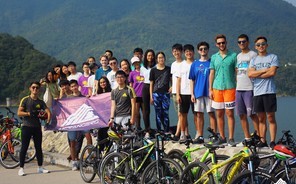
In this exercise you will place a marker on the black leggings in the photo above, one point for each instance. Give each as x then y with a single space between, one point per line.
36 134
146 102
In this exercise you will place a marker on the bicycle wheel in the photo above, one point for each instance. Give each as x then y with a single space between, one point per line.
290 178
10 156
260 177
190 175
87 163
169 172
114 169
178 156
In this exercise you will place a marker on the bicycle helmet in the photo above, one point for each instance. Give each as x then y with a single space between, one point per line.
283 152
113 134
42 115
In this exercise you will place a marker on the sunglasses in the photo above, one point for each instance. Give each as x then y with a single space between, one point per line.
261 44
112 63
201 49
242 42
35 87
219 43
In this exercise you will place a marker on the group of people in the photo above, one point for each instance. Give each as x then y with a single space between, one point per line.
217 84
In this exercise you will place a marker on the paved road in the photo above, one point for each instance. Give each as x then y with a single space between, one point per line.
58 175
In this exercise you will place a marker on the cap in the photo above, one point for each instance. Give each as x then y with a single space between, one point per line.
135 59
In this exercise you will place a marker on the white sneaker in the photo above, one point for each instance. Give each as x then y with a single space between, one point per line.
21 172
74 165
147 135
42 170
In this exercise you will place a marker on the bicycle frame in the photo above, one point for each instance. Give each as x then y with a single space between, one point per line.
149 146
238 158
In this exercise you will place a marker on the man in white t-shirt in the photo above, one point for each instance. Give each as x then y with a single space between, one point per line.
111 75
183 93
244 86
73 72
177 50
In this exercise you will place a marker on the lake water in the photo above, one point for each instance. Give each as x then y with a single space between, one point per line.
284 116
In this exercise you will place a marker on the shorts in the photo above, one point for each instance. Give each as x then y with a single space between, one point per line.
72 135
202 103
176 105
224 99
122 120
139 100
185 104
265 103
244 103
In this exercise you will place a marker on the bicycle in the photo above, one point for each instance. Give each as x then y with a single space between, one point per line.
17 133
11 137
184 158
92 155
10 147
213 175
127 167
162 170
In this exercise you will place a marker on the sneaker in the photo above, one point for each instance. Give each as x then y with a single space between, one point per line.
231 143
272 144
262 144
147 135
220 141
42 170
21 172
175 138
74 165
199 140
182 140
188 137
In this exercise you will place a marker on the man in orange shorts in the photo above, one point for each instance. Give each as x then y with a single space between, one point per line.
222 88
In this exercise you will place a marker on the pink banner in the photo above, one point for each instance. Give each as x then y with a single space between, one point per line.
81 113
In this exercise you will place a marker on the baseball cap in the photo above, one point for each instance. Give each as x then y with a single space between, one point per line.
135 59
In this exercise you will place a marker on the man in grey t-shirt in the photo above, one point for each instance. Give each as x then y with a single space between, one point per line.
263 69
123 100
244 86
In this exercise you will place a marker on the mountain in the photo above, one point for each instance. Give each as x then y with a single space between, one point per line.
20 65
74 30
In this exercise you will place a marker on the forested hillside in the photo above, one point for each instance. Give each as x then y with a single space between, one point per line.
74 30
20 64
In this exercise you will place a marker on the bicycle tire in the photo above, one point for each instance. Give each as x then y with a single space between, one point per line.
261 177
178 156
10 160
87 163
110 169
189 174
170 172
281 173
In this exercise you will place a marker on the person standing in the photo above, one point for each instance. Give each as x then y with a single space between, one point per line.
123 102
222 88
73 72
160 90
177 51
262 69
149 62
136 81
199 87
102 71
29 108
83 79
183 94
244 86
111 75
